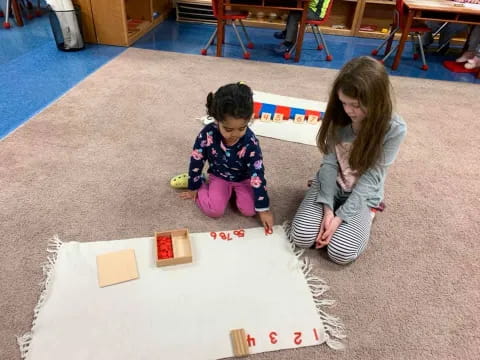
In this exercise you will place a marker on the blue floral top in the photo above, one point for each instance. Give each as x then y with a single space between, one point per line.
236 163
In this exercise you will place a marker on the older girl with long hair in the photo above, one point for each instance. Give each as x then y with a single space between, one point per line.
360 137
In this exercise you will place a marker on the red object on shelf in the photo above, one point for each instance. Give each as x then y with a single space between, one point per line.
164 247
368 27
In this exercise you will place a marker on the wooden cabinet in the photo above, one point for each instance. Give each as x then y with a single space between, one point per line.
120 22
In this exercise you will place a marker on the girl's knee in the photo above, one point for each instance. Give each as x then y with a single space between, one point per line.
213 211
247 212
245 203
341 258
246 207
302 238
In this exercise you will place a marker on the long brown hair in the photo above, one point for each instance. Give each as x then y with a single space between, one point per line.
366 80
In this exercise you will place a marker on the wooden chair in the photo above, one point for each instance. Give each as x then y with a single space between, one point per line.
233 16
416 30
317 32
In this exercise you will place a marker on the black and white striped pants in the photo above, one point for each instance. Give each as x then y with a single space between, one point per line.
347 243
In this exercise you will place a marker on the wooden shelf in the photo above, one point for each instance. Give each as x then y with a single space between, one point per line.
331 31
136 28
120 22
275 24
380 2
195 11
279 24
377 14
201 2
374 34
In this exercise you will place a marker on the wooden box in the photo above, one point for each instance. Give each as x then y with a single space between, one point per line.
182 250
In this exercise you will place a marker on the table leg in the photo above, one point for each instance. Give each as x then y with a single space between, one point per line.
220 28
403 39
301 32
220 38
16 12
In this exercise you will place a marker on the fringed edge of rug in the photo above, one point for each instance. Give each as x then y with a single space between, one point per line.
48 267
333 326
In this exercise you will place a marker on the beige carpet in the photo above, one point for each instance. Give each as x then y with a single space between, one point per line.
95 165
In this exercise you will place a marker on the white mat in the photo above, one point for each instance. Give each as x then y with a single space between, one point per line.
286 130
180 312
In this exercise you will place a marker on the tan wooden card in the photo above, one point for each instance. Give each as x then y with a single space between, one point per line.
239 342
266 117
312 119
116 267
277 117
299 119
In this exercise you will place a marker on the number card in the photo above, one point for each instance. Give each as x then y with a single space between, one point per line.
266 117
312 119
299 119
278 117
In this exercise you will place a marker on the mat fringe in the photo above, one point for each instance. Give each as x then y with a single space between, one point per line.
333 326
48 267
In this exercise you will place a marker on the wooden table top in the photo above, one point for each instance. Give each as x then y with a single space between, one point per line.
440 5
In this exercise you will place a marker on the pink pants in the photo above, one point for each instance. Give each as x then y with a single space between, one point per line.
213 198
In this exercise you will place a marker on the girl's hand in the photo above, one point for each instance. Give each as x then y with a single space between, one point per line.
190 194
266 218
327 219
329 231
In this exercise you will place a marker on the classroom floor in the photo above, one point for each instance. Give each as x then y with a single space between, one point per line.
36 73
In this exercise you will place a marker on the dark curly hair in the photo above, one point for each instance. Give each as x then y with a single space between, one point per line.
235 100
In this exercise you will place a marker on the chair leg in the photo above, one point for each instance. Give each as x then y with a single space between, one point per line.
439 29
414 47
420 47
28 8
441 47
209 42
324 43
6 23
249 42
387 41
246 54
38 12
422 53
387 55
288 54
319 46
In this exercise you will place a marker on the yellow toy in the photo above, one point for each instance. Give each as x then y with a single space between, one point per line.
179 181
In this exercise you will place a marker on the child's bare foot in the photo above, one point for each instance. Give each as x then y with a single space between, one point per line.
467 55
473 63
